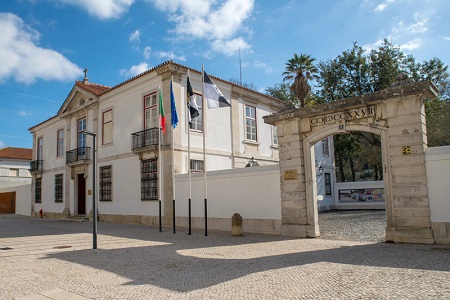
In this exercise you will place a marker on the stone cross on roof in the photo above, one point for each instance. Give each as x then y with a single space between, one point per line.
85 75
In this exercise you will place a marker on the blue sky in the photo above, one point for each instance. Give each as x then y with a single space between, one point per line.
45 44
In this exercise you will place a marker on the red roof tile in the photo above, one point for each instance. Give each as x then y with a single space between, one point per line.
94 88
16 153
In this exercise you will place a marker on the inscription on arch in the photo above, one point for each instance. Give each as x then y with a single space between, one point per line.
350 114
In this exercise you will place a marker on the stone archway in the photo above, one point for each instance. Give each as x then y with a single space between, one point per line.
397 114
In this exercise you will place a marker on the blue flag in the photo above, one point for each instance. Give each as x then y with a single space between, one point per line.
173 108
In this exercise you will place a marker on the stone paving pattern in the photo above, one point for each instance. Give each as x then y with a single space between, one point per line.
139 262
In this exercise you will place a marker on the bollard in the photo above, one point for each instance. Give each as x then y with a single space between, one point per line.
236 225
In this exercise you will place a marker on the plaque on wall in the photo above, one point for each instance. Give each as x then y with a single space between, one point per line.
290 175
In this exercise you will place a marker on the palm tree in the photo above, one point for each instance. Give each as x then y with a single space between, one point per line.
301 68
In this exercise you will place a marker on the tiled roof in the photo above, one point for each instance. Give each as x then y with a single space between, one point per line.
16 153
94 88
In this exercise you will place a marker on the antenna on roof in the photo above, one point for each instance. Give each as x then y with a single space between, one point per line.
85 80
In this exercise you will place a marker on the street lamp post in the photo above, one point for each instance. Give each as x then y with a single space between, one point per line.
94 209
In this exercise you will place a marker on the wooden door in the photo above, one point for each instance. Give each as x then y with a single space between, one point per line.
81 195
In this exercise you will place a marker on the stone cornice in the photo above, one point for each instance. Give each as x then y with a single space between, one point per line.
400 89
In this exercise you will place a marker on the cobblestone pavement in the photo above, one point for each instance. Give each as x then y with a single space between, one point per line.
353 225
139 262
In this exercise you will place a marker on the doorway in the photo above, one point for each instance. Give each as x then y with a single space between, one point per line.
81 202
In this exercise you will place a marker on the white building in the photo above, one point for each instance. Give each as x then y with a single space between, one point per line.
15 166
125 119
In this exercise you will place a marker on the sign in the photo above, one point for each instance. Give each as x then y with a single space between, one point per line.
89 192
406 150
290 175
351 114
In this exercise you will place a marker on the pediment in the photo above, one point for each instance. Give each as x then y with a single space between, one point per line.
76 100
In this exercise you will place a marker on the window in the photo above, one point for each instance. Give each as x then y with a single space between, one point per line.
327 184
60 143
14 172
151 111
196 124
107 127
149 180
59 188
197 166
250 122
274 135
105 183
325 148
81 143
37 190
40 144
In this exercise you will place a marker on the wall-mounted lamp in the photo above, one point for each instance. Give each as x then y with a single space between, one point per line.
320 171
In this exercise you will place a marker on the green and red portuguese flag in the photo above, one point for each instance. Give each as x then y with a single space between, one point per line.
161 113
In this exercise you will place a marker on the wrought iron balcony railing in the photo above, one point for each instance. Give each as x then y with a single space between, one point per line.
145 138
78 155
36 166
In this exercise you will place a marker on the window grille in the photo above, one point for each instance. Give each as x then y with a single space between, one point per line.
105 183
197 165
327 184
37 190
59 188
149 179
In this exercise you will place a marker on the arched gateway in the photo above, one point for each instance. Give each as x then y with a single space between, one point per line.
397 114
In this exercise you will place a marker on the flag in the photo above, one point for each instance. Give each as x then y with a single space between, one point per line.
191 102
212 94
161 112
173 107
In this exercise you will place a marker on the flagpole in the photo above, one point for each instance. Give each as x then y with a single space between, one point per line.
159 157
173 152
204 150
189 159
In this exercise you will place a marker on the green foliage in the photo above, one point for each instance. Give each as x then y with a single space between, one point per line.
249 85
438 122
356 72
302 64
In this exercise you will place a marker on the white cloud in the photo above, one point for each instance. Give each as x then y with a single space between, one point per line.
214 21
103 9
262 65
23 113
420 26
169 55
383 5
135 70
230 47
134 36
411 45
447 38
2 144
22 59
147 51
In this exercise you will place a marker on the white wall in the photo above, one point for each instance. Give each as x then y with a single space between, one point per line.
254 193
126 190
48 203
23 198
437 160
24 173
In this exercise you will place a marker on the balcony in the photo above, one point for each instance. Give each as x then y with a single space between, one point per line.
144 139
79 155
36 166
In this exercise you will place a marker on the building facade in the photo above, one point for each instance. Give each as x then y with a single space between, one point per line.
15 166
125 120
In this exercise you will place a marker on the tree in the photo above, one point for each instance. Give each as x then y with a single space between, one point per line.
356 72
300 69
248 85
281 91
